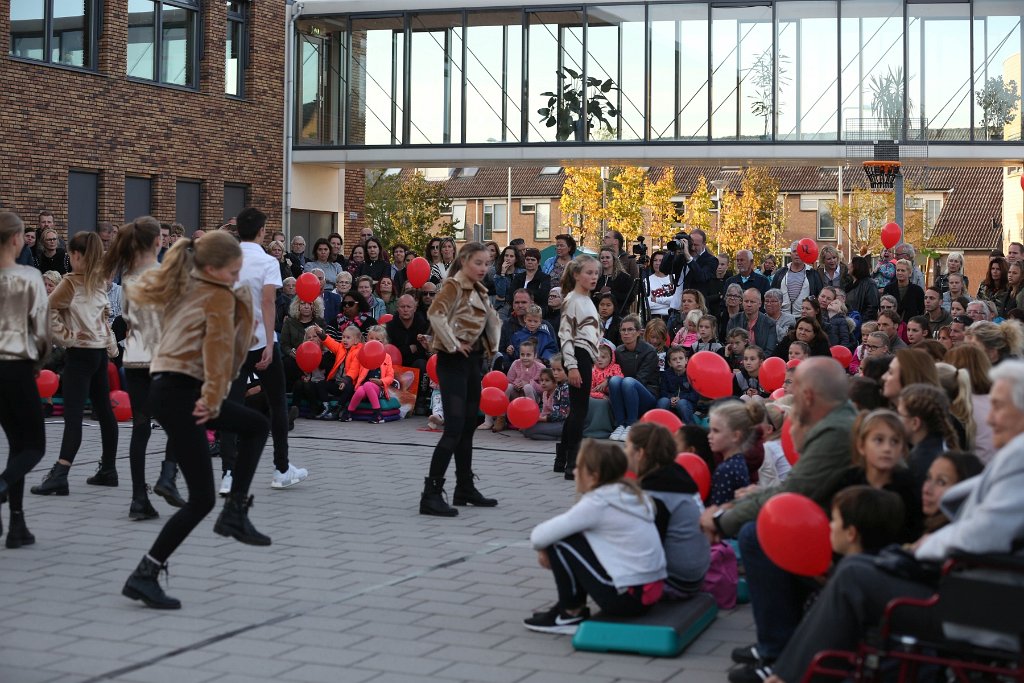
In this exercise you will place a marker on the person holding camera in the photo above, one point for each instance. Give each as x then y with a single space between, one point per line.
691 265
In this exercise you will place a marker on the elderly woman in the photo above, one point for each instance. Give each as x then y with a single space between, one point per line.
999 342
276 249
733 305
283 302
954 266
322 260
301 314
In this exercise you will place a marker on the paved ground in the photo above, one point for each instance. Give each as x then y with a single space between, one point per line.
356 587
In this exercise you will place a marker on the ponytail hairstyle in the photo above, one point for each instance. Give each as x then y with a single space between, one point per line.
467 250
607 463
865 422
90 246
10 226
163 287
743 417
1006 338
931 405
131 240
957 385
658 444
572 269
972 359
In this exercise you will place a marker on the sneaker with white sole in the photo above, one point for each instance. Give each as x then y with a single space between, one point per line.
617 434
555 621
293 476
225 484
625 434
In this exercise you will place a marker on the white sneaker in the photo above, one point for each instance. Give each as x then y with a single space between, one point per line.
617 434
293 476
625 433
225 484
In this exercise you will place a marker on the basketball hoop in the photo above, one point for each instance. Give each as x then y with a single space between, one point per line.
882 174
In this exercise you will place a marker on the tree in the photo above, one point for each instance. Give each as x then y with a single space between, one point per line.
698 207
864 213
664 218
407 209
581 202
625 206
998 100
753 218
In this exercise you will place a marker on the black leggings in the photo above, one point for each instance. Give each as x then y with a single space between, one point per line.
460 395
137 382
173 397
85 374
579 399
272 383
578 574
21 416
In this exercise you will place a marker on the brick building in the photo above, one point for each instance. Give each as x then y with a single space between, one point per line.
128 107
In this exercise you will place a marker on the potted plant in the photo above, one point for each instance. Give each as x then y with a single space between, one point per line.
763 103
564 111
997 101
887 101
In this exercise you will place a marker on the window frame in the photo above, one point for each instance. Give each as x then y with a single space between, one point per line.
491 204
241 19
458 210
537 236
91 54
194 7
822 210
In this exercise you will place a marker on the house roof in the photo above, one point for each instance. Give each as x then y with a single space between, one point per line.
972 211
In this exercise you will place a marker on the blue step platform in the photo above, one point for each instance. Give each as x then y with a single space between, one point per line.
664 631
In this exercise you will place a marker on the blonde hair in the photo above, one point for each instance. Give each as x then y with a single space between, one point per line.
164 286
10 225
956 382
741 416
694 317
90 246
53 277
378 330
534 311
572 269
131 239
1006 338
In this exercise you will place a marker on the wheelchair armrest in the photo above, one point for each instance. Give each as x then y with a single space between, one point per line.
1005 562
901 603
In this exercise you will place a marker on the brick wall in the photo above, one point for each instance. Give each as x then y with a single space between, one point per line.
55 119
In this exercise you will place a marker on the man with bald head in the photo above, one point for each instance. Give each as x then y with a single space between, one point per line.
408 331
761 329
746 277
824 415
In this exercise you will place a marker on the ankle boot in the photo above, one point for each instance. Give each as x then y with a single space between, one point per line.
466 494
142 509
17 533
54 483
166 486
559 465
143 585
570 462
432 501
106 475
234 522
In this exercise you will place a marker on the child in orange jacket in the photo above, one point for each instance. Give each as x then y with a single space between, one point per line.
371 385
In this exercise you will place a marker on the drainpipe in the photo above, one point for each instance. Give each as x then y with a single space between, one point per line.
508 209
293 10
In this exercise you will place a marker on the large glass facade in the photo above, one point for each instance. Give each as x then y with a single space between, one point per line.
788 71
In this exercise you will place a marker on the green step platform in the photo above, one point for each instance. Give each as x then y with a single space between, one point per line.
664 631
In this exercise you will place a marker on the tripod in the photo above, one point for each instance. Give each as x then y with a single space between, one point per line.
638 295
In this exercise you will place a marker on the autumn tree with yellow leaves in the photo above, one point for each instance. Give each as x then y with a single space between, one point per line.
864 213
581 203
752 218
662 214
698 207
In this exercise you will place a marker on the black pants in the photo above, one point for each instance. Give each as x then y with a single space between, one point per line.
85 375
173 398
272 381
343 389
138 382
572 430
578 574
21 416
460 379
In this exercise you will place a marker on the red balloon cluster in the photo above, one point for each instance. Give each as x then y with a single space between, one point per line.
523 412
372 354
121 405
418 271
493 401
793 531
891 234
665 418
710 375
496 379
307 287
807 250
698 471
395 353
432 369
47 383
308 356
385 319
773 373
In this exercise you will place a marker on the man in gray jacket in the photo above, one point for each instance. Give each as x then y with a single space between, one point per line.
761 328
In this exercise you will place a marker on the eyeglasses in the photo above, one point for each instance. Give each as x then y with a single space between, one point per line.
434 246
349 303
429 293
732 296
874 347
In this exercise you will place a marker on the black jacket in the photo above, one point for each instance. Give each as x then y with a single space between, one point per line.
756 280
539 286
863 298
641 363
405 337
909 305
699 271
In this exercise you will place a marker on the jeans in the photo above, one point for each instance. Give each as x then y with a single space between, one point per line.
460 379
272 381
629 398
138 384
21 416
579 402
684 409
173 398
86 374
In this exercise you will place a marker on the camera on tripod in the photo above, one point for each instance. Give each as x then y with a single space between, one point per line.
640 251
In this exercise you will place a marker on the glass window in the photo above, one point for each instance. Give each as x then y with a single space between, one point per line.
137 197
376 84
234 200
176 45
872 69
141 39
494 219
309 120
542 222
56 31
826 223
615 72
494 77
807 70
932 209
172 58
435 79
459 220
998 81
83 201
742 98
235 49
555 102
186 205
938 45
312 225
679 55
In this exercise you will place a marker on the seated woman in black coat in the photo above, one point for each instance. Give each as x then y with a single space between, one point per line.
533 279
809 331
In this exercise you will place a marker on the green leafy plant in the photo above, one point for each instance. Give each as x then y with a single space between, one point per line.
565 109
764 103
997 101
887 101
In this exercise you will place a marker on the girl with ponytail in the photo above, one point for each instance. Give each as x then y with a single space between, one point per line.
79 321
732 429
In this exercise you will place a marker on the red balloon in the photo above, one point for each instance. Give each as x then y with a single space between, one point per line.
307 287
385 319
665 418
698 470
793 531
47 383
891 234
778 393
788 447
523 412
308 356
395 353
432 369
496 379
773 373
121 405
807 250
418 271
842 354
792 363
630 474
710 374
493 401
372 354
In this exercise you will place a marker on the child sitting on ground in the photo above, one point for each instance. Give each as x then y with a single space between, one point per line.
307 389
338 383
656 334
554 403
677 394
436 419
370 384
707 335
734 426
865 520
735 344
523 380
605 368
746 381
605 547
533 326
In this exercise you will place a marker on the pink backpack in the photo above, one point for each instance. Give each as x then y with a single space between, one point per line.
722 576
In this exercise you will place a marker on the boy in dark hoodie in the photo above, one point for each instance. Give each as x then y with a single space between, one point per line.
676 392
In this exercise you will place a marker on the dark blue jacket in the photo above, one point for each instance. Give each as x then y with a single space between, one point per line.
677 386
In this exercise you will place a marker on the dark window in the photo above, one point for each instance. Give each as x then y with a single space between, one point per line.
186 205
56 31
234 200
235 50
83 205
138 193
312 225
162 41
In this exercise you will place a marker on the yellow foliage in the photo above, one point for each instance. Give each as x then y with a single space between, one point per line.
581 202
662 212
698 207
864 213
751 219
625 208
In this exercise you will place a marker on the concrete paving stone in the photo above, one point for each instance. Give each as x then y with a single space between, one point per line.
87 666
317 673
322 638
16 641
479 640
393 677
563 677
561 663
633 668
167 673
387 646
404 632
249 666
130 652
450 609
334 656
473 655
244 678
18 674
484 673
246 645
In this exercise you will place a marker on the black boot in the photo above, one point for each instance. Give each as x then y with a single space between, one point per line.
559 465
466 494
166 487
234 522
570 461
142 509
17 533
54 483
143 585
106 475
432 501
